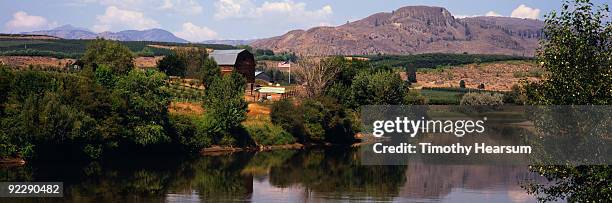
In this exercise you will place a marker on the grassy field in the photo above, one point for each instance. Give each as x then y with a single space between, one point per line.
438 59
447 96
441 97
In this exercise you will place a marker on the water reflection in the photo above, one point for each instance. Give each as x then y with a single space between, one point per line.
278 176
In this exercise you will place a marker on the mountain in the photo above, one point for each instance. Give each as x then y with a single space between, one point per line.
413 30
157 35
228 42
70 32
66 32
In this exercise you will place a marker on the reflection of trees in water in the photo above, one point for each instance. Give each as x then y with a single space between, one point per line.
438 180
577 143
572 134
261 163
334 173
219 177
337 172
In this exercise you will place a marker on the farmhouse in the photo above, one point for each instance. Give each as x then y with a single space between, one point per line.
239 60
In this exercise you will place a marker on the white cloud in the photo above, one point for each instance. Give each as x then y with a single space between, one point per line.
287 10
492 13
181 6
115 18
22 21
126 4
189 7
194 33
232 8
523 11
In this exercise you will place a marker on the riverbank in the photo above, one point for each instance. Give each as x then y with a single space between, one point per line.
12 162
220 150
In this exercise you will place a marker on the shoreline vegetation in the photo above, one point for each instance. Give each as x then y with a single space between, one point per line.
186 105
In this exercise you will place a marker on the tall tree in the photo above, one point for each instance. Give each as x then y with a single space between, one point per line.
577 53
172 65
210 71
144 102
224 102
110 53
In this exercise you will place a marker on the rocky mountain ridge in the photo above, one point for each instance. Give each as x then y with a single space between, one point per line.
413 30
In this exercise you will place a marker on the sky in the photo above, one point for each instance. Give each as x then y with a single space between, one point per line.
198 20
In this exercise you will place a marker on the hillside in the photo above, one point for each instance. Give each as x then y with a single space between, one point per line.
413 30
70 32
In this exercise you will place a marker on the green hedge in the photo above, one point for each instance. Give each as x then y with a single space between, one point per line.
269 134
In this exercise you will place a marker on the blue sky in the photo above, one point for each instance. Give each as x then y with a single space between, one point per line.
197 20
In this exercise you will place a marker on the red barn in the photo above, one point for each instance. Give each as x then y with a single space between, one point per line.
239 60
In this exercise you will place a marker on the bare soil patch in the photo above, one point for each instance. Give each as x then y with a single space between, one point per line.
25 61
495 76
186 108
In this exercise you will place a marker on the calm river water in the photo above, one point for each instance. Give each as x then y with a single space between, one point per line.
320 175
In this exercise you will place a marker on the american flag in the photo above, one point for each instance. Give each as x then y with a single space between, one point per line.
284 64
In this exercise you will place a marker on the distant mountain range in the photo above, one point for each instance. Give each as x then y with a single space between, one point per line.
413 30
70 32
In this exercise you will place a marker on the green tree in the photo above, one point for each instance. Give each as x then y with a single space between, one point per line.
172 65
289 117
194 58
143 101
210 71
6 77
576 52
105 77
110 53
382 87
224 102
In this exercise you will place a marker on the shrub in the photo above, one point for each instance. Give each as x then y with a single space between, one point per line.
515 96
191 133
269 134
316 120
286 115
482 99
313 117
383 87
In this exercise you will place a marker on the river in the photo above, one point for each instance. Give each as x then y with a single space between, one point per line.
315 175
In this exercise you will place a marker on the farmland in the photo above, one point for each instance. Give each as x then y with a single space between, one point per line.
72 48
435 60
498 76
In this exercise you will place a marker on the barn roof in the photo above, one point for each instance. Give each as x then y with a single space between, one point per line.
226 57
